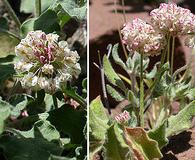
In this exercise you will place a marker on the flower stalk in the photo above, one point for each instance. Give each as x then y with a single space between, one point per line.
172 54
141 114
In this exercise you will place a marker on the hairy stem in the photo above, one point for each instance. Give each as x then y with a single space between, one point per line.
118 28
12 13
172 54
141 114
168 48
104 85
37 8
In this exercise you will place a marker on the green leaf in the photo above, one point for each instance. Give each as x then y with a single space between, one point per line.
132 98
159 134
181 121
15 148
7 46
28 6
6 71
19 102
98 125
114 93
111 74
70 91
27 26
115 145
4 113
4 24
116 57
44 129
73 8
47 22
52 157
69 121
191 94
143 147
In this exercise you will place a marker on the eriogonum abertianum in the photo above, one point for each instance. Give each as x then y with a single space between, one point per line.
44 62
123 117
141 37
172 19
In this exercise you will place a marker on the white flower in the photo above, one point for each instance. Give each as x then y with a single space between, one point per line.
172 19
47 69
190 41
45 62
141 37
123 117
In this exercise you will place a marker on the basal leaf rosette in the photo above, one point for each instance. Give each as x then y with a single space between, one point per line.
44 62
172 19
141 37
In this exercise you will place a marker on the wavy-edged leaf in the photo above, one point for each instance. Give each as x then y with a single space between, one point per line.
98 125
181 121
143 147
75 9
4 113
159 134
44 129
69 121
114 93
15 148
115 145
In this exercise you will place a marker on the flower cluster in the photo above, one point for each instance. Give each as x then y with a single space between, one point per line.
141 37
45 63
168 19
172 19
123 117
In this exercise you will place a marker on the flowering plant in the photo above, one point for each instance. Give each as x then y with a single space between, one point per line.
147 120
43 84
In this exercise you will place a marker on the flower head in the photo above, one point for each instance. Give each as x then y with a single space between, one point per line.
123 117
44 62
141 37
172 19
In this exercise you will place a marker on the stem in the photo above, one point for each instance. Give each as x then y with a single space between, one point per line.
104 85
37 8
168 48
118 28
172 54
55 102
124 13
141 93
162 58
12 13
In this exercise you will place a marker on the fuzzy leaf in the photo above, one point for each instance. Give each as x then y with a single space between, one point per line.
114 93
28 6
116 57
181 121
98 125
143 147
115 145
42 128
159 134
15 148
111 74
75 9
4 113
69 121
